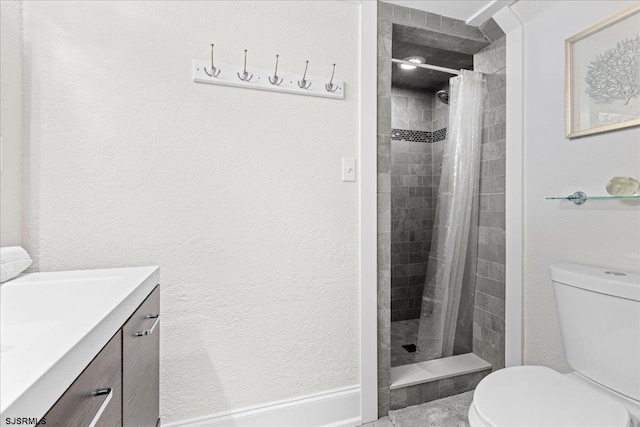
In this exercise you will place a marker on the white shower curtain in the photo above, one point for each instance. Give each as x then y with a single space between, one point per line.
454 241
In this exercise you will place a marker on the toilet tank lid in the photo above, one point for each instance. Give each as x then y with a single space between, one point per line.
607 281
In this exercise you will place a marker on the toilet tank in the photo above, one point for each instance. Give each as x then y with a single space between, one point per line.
599 313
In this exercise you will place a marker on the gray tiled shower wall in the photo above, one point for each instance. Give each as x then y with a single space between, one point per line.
412 202
412 213
415 176
411 109
489 301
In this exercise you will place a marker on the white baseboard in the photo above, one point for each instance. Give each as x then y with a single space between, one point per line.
334 408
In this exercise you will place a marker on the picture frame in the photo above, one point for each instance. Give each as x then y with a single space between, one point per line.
602 76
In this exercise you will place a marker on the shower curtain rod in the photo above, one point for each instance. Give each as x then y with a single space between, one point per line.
428 66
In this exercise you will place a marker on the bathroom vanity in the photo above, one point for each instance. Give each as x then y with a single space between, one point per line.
87 354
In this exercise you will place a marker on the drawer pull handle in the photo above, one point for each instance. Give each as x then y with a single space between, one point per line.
149 331
99 392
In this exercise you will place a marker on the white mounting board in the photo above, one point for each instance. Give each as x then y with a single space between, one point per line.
260 81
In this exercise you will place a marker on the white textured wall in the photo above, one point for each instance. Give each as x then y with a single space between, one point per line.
602 233
11 122
236 194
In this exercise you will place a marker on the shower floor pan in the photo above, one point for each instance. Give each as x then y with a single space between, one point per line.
437 369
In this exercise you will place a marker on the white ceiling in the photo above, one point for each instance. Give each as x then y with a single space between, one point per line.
458 9
526 10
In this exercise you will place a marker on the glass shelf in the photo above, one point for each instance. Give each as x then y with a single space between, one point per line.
580 197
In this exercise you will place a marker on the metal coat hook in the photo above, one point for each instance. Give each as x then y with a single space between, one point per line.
330 87
214 72
275 80
303 83
245 76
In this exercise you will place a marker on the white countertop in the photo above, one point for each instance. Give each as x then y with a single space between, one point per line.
53 324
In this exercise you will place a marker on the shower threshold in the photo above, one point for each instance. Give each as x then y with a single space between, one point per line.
437 369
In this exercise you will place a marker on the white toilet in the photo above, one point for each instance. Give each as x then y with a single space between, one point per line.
599 314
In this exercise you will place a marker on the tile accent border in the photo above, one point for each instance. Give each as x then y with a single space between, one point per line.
440 135
418 135
411 135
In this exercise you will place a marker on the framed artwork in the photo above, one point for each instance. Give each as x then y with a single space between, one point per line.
602 82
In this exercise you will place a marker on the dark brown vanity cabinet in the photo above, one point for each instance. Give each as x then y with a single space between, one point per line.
141 365
95 397
120 387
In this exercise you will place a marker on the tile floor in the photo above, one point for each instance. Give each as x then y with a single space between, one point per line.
382 422
417 413
403 332
451 411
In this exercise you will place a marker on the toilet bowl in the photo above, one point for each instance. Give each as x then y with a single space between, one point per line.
599 313
536 396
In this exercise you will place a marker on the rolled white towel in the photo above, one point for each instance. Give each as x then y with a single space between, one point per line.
13 261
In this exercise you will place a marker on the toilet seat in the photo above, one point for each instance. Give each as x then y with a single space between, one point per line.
538 396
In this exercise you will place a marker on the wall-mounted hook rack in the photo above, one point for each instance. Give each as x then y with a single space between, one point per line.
330 87
263 79
275 80
303 83
214 71
245 77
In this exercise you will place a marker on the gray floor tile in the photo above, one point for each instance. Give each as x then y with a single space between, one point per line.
383 422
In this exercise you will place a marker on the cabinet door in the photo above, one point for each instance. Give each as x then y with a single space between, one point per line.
141 364
94 398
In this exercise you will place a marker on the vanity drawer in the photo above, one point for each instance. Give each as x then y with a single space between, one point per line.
95 396
141 364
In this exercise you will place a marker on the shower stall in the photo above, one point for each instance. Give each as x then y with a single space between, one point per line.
444 250
435 220
435 147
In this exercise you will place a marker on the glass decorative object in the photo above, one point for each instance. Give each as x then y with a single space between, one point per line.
623 186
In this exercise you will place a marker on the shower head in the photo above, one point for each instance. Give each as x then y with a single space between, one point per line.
443 96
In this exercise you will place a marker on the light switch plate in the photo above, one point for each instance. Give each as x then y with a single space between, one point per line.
348 170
